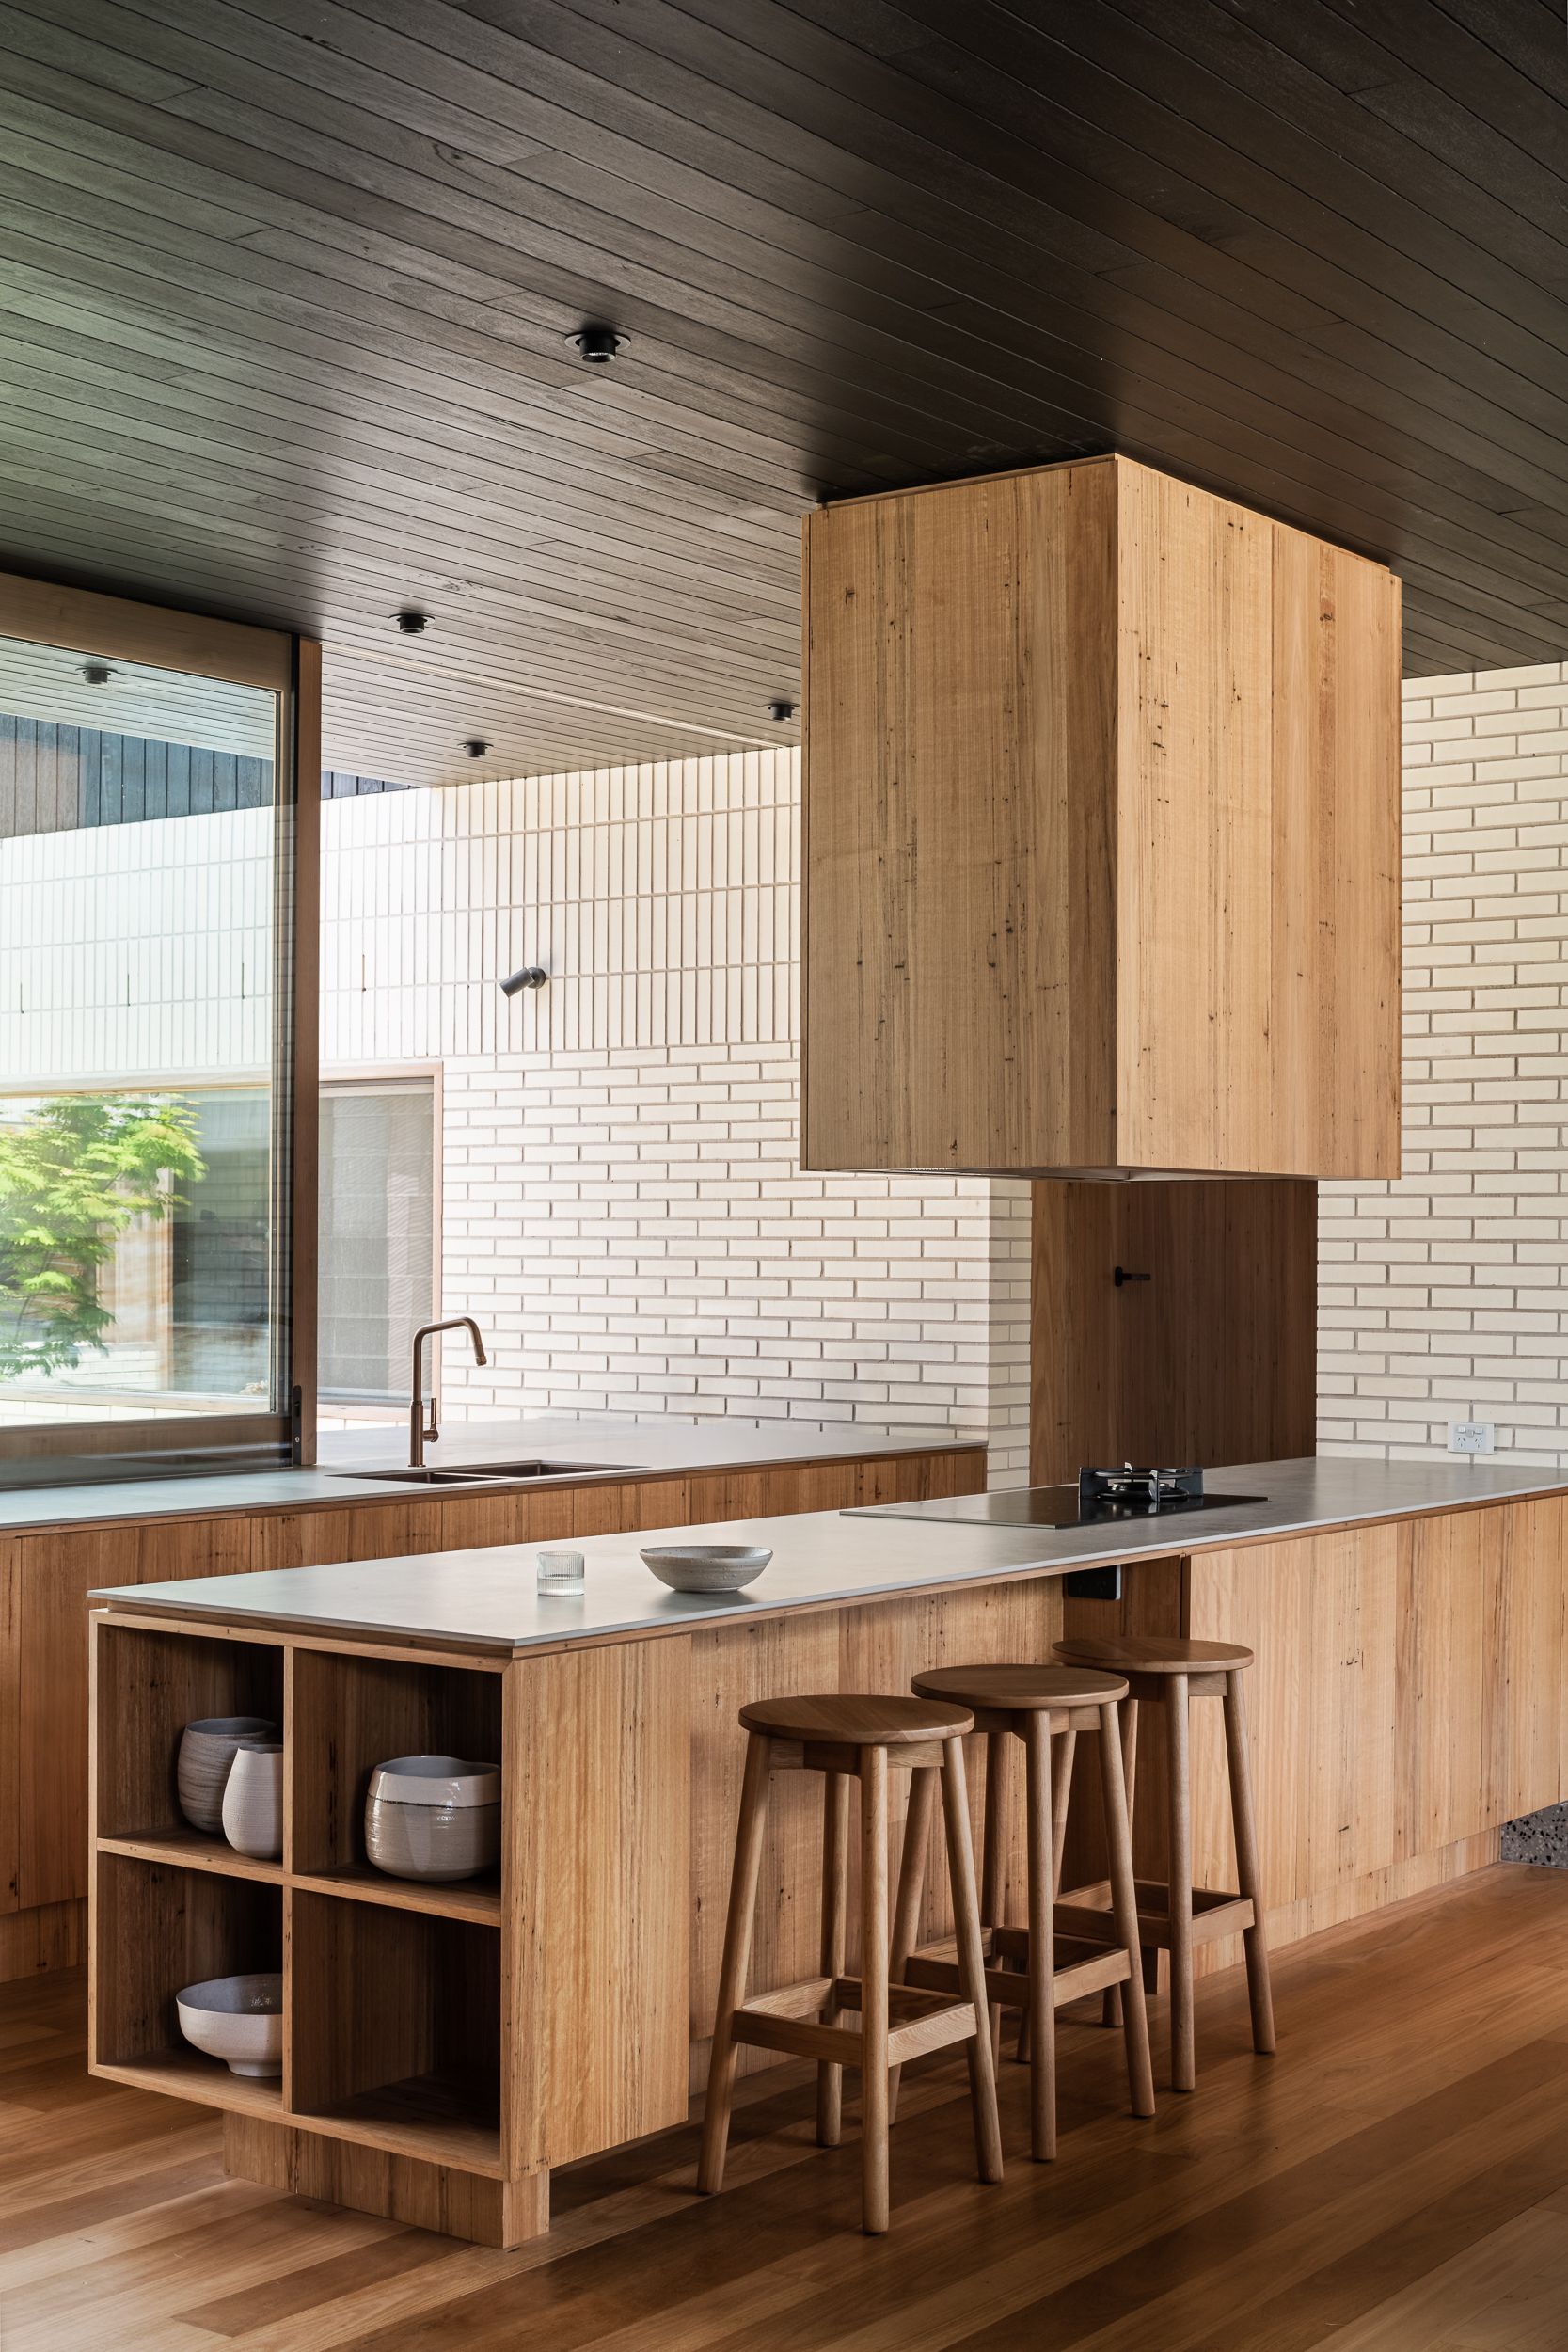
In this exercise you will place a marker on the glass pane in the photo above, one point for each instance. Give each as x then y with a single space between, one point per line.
139 1270
377 1258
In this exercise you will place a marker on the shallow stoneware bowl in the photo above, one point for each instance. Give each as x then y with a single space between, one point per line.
238 2019
207 1750
706 1567
253 1800
433 1816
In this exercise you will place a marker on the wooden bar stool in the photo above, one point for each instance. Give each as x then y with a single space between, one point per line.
849 1738
1038 1706
1175 1916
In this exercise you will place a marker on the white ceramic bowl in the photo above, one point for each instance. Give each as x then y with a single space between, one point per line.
207 1749
433 1816
238 2019
706 1567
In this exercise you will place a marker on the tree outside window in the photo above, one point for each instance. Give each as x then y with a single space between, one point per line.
76 1172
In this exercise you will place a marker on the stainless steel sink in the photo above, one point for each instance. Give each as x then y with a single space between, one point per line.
485 1473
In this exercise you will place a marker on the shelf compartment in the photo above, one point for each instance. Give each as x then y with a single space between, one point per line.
158 1928
187 2074
396 2028
476 1900
192 1849
433 2117
351 1713
150 1685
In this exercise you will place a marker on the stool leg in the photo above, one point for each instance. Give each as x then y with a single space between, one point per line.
1042 1999
1248 1877
971 1961
1061 1798
835 1880
912 1890
736 1962
1111 2013
1179 1871
1124 1902
874 1982
994 1855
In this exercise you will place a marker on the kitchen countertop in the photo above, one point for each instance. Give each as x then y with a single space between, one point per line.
599 1446
486 1599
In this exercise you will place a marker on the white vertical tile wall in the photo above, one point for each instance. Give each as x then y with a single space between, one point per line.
1443 1296
132 950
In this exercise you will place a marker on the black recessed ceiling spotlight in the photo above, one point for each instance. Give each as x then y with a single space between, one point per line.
532 975
779 710
411 621
596 347
97 673
475 747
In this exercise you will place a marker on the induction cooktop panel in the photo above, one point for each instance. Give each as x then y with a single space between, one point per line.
1044 1506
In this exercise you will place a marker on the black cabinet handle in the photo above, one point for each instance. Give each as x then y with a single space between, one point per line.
1121 1275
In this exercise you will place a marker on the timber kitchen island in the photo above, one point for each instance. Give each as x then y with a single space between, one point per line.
447 2045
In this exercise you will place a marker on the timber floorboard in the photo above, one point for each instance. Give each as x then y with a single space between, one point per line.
1396 2180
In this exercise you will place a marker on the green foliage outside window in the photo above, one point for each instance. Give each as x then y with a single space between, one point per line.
76 1171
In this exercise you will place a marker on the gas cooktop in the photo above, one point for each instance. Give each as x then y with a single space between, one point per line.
1103 1498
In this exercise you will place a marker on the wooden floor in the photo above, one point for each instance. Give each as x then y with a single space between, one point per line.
1395 2181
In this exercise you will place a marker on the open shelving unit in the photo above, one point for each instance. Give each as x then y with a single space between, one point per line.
393 2029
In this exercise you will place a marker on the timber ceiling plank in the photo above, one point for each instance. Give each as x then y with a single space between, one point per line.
284 286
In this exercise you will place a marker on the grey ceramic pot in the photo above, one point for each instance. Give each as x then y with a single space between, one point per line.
433 1816
207 1749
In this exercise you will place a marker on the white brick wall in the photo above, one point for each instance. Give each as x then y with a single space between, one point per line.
623 1208
1442 1295
633 1231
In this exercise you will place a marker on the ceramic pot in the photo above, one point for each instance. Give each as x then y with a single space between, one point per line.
238 2019
207 1749
433 1816
706 1567
253 1800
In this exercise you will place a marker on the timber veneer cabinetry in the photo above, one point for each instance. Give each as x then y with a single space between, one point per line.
1101 835
46 1575
400 2037
445 2047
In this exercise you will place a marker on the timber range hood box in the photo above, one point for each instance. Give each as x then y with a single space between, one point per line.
1102 835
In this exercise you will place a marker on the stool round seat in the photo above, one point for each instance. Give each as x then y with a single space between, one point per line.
857 1719
1153 1654
1020 1689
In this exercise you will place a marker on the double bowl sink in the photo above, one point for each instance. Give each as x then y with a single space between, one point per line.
488 1473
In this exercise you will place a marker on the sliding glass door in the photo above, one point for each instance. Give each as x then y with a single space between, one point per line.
157 1253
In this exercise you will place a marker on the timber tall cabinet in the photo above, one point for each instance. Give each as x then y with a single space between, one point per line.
1101 849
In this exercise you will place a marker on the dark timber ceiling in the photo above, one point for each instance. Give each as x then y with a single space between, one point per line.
285 285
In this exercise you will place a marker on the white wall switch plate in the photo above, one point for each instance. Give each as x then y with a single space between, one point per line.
1472 1436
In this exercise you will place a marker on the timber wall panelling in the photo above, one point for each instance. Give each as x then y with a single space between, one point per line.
1211 1360
1407 1701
